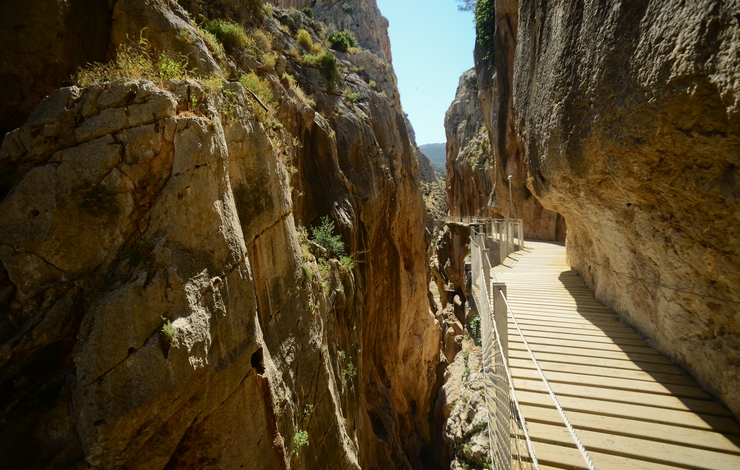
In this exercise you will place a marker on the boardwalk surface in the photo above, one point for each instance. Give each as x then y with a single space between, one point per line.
632 408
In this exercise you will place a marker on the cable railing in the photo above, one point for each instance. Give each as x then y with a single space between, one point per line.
507 431
491 241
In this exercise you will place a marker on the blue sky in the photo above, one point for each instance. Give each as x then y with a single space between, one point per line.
432 45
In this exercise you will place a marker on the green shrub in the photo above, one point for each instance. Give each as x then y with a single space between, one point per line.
324 236
307 11
350 372
231 35
299 440
261 88
351 97
475 328
342 40
346 7
255 8
485 27
170 69
347 263
304 39
288 80
307 271
293 20
329 68
167 331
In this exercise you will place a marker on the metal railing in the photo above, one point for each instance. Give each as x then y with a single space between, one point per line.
491 241
507 431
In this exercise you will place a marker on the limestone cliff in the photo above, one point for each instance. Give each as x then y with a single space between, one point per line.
161 305
630 116
470 171
490 149
362 17
426 172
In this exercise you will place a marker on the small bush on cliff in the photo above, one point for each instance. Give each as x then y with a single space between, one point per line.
231 35
346 263
255 8
485 27
329 68
342 40
304 39
263 91
307 11
475 328
134 60
324 236
167 331
299 440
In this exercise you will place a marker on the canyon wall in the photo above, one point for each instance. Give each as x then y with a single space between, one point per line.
470 170
490 149
161 304
630 116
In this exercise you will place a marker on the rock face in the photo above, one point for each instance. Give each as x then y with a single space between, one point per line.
362 17
160 303
461 405
482 144
630 117
66 34
426 172
470 171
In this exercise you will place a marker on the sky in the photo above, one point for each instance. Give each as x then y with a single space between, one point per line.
432 45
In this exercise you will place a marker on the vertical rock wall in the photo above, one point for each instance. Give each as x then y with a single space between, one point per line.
630 116
481 157
470 170
160 306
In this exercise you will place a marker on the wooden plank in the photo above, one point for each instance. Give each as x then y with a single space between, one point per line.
615 383
624 396
521 353
557 456
617 337
595 353
579 337
636 412
676 434
580 344
604 372
608 326
630 447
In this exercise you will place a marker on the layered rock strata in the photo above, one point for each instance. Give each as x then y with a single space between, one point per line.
161 305
630 117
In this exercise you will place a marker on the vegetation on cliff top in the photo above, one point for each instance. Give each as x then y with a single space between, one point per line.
485 24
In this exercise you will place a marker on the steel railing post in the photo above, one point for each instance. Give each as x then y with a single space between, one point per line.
500 316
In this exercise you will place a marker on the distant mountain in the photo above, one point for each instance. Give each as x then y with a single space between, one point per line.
437 153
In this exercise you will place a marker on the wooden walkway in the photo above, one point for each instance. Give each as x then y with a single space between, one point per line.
631 407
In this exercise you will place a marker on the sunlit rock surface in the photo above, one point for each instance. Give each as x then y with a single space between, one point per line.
630 117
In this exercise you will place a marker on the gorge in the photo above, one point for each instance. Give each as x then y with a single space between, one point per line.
218 233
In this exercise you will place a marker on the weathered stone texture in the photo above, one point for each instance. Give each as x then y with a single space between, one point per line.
630 117
470 168
134 202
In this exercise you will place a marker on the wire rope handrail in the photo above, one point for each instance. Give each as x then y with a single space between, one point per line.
518 408
506 420
581 448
